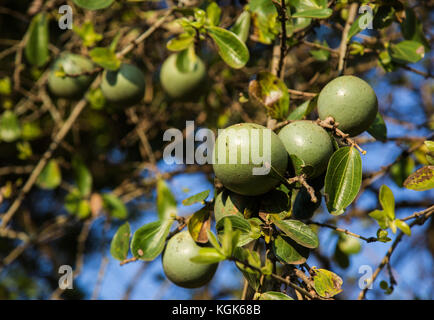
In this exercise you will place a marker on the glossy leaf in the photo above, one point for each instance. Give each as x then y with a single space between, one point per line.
242 26
343 179
265 22
303 110
36 50
288 251
166 203
378 128
87 34
407 51
114 206
120 243
182 42
230 48
421 180
213 13
197 198
314 13
274 295
297 231
207 256
50 177
404 227
148 241
93 4
387 201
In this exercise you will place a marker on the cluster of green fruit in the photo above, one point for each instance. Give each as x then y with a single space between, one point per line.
353 105
124 86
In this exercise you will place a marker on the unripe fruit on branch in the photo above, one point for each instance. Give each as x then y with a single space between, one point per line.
125 86
247 150
70 87
229 203
351 101
178 83
177 265
309 142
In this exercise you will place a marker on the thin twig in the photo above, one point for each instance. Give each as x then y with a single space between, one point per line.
344 42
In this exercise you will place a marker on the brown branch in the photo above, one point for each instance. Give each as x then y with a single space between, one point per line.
343 45
369 240
386 260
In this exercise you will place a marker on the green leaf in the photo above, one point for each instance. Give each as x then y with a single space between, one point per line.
50 177
326 283
83 177
5 86
321 54
412 28
76 205
148 241
378 128
242 26
382 236
430 153
421 180
288 251
230 48
387 201
198 225
251 258
274 295
381 217
407 51
213 13
208 256
401 170
93 4
343 179
87 34
303 110
10 129
271 93
186 60
237 223
300 167
403 227
105 58
199 197
314 13
36 50
120 243
166 203
265 22
114 206
297 231
182 42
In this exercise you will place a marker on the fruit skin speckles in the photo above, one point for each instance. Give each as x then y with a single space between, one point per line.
351 101
125 86
309 142
177 265
238 177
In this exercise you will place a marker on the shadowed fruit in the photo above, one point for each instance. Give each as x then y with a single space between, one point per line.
243 162
179 83
177 265
309 142
70 87
125 86
229 203
351 101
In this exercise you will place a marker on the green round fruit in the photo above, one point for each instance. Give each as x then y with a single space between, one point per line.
125 86
178 83
70 87
238 165
351 101
177 265
229 203
309 142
